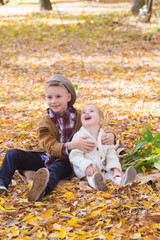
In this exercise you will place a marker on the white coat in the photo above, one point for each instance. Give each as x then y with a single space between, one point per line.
103 157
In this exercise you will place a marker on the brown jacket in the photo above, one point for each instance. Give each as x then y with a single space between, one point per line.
48 134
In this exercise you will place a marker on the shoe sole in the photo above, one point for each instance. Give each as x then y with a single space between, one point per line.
3 191
131 175
40 181
99 182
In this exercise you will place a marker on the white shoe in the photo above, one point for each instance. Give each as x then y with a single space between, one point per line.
40 181
129 176
99 182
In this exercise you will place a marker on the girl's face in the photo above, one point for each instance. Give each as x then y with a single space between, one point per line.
90 116
58 98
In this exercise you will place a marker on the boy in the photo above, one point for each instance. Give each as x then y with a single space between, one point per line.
55 131
101 158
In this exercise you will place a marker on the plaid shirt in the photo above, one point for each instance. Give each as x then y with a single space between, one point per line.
65 123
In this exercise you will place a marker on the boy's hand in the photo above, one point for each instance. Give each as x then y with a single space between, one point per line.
107 139
117 173
89 171
82 144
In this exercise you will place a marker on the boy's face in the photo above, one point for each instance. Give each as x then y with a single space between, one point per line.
58 98
90 116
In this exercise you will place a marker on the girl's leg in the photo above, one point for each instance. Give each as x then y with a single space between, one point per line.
91 181
129 176
109 175
96 181
16 159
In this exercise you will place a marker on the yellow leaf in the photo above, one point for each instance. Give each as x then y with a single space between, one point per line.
106 195
2 208
63 232
60 234
143 169
98 223
69 194
95 213
27 217
108 237
64 210
157 150
15 233
143 182
72 222
48 213
24 232
13 228
32 219
126 206
2 201
157 226
23 238
39 204
57 226
54 235
41 234
81 233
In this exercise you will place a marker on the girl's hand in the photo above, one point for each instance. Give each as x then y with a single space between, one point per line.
89 171
117 173
107 139
82 144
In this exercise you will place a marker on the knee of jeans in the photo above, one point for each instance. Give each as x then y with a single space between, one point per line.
12 153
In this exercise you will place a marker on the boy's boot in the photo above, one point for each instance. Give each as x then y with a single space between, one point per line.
3 188
40 181
129 176
99 182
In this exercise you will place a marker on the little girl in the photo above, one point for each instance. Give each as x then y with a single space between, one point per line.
101 162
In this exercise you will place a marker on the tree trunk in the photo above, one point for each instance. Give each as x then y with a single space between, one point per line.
45 5
1 2
136 5
149 178
149 10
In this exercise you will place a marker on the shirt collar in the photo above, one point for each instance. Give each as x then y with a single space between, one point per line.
63 115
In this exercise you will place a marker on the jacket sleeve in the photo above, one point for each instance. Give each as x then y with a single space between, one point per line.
48 137
49 143
111 160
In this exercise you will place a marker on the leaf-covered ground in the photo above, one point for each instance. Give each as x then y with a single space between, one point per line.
113 59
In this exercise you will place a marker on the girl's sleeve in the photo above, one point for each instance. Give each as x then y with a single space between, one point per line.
112 160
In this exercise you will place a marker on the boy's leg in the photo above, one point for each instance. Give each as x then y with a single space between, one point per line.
40 181
59 170
21 160
45 180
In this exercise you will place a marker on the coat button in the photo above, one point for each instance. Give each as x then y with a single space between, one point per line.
97 149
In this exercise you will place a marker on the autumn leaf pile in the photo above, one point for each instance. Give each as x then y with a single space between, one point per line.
113 60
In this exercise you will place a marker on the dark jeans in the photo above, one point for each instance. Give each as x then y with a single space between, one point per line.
16 159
